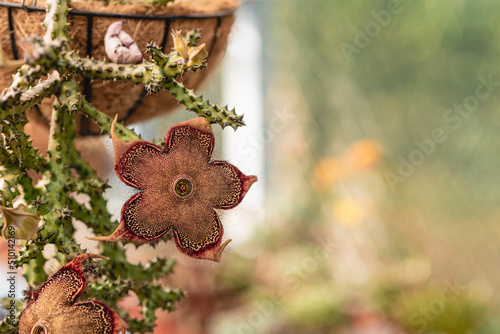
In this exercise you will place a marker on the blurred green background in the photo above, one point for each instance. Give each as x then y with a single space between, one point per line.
382 182
376 146
383 191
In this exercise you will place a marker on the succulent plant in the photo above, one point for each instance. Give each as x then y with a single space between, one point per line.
51 68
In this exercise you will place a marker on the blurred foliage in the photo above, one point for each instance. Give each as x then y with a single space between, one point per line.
432 309
318 309
413 106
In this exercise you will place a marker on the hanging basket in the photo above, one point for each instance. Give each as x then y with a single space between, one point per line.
88 22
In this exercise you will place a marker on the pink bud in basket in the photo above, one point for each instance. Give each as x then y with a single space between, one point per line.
120 47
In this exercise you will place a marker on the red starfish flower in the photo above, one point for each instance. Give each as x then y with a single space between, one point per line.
52 308
180 189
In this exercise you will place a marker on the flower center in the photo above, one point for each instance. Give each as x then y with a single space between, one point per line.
183 186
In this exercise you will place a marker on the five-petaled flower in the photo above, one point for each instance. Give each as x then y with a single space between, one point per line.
52 309
180 188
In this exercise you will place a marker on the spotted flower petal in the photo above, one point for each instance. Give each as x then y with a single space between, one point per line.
52 309
231 183
180 188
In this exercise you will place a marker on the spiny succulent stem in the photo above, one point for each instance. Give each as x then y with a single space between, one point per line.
213 113
56 137
104 70
69 97
156 75
25 76
56 22
105 122
15 100
156 54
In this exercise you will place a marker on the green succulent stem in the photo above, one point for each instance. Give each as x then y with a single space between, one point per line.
213 113
16 100
104 70
192 37
155 76
104 122
56 20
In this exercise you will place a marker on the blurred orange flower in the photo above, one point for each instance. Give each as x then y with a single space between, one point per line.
360 155
348 212
326 173
364 154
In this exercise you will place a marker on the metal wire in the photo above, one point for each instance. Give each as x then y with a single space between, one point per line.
221 13
12 33
24 7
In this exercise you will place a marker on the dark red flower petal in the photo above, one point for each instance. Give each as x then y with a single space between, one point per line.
194 135
69 279
51 308
199 235
142 220
144 217
135 164
89 317
223 185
